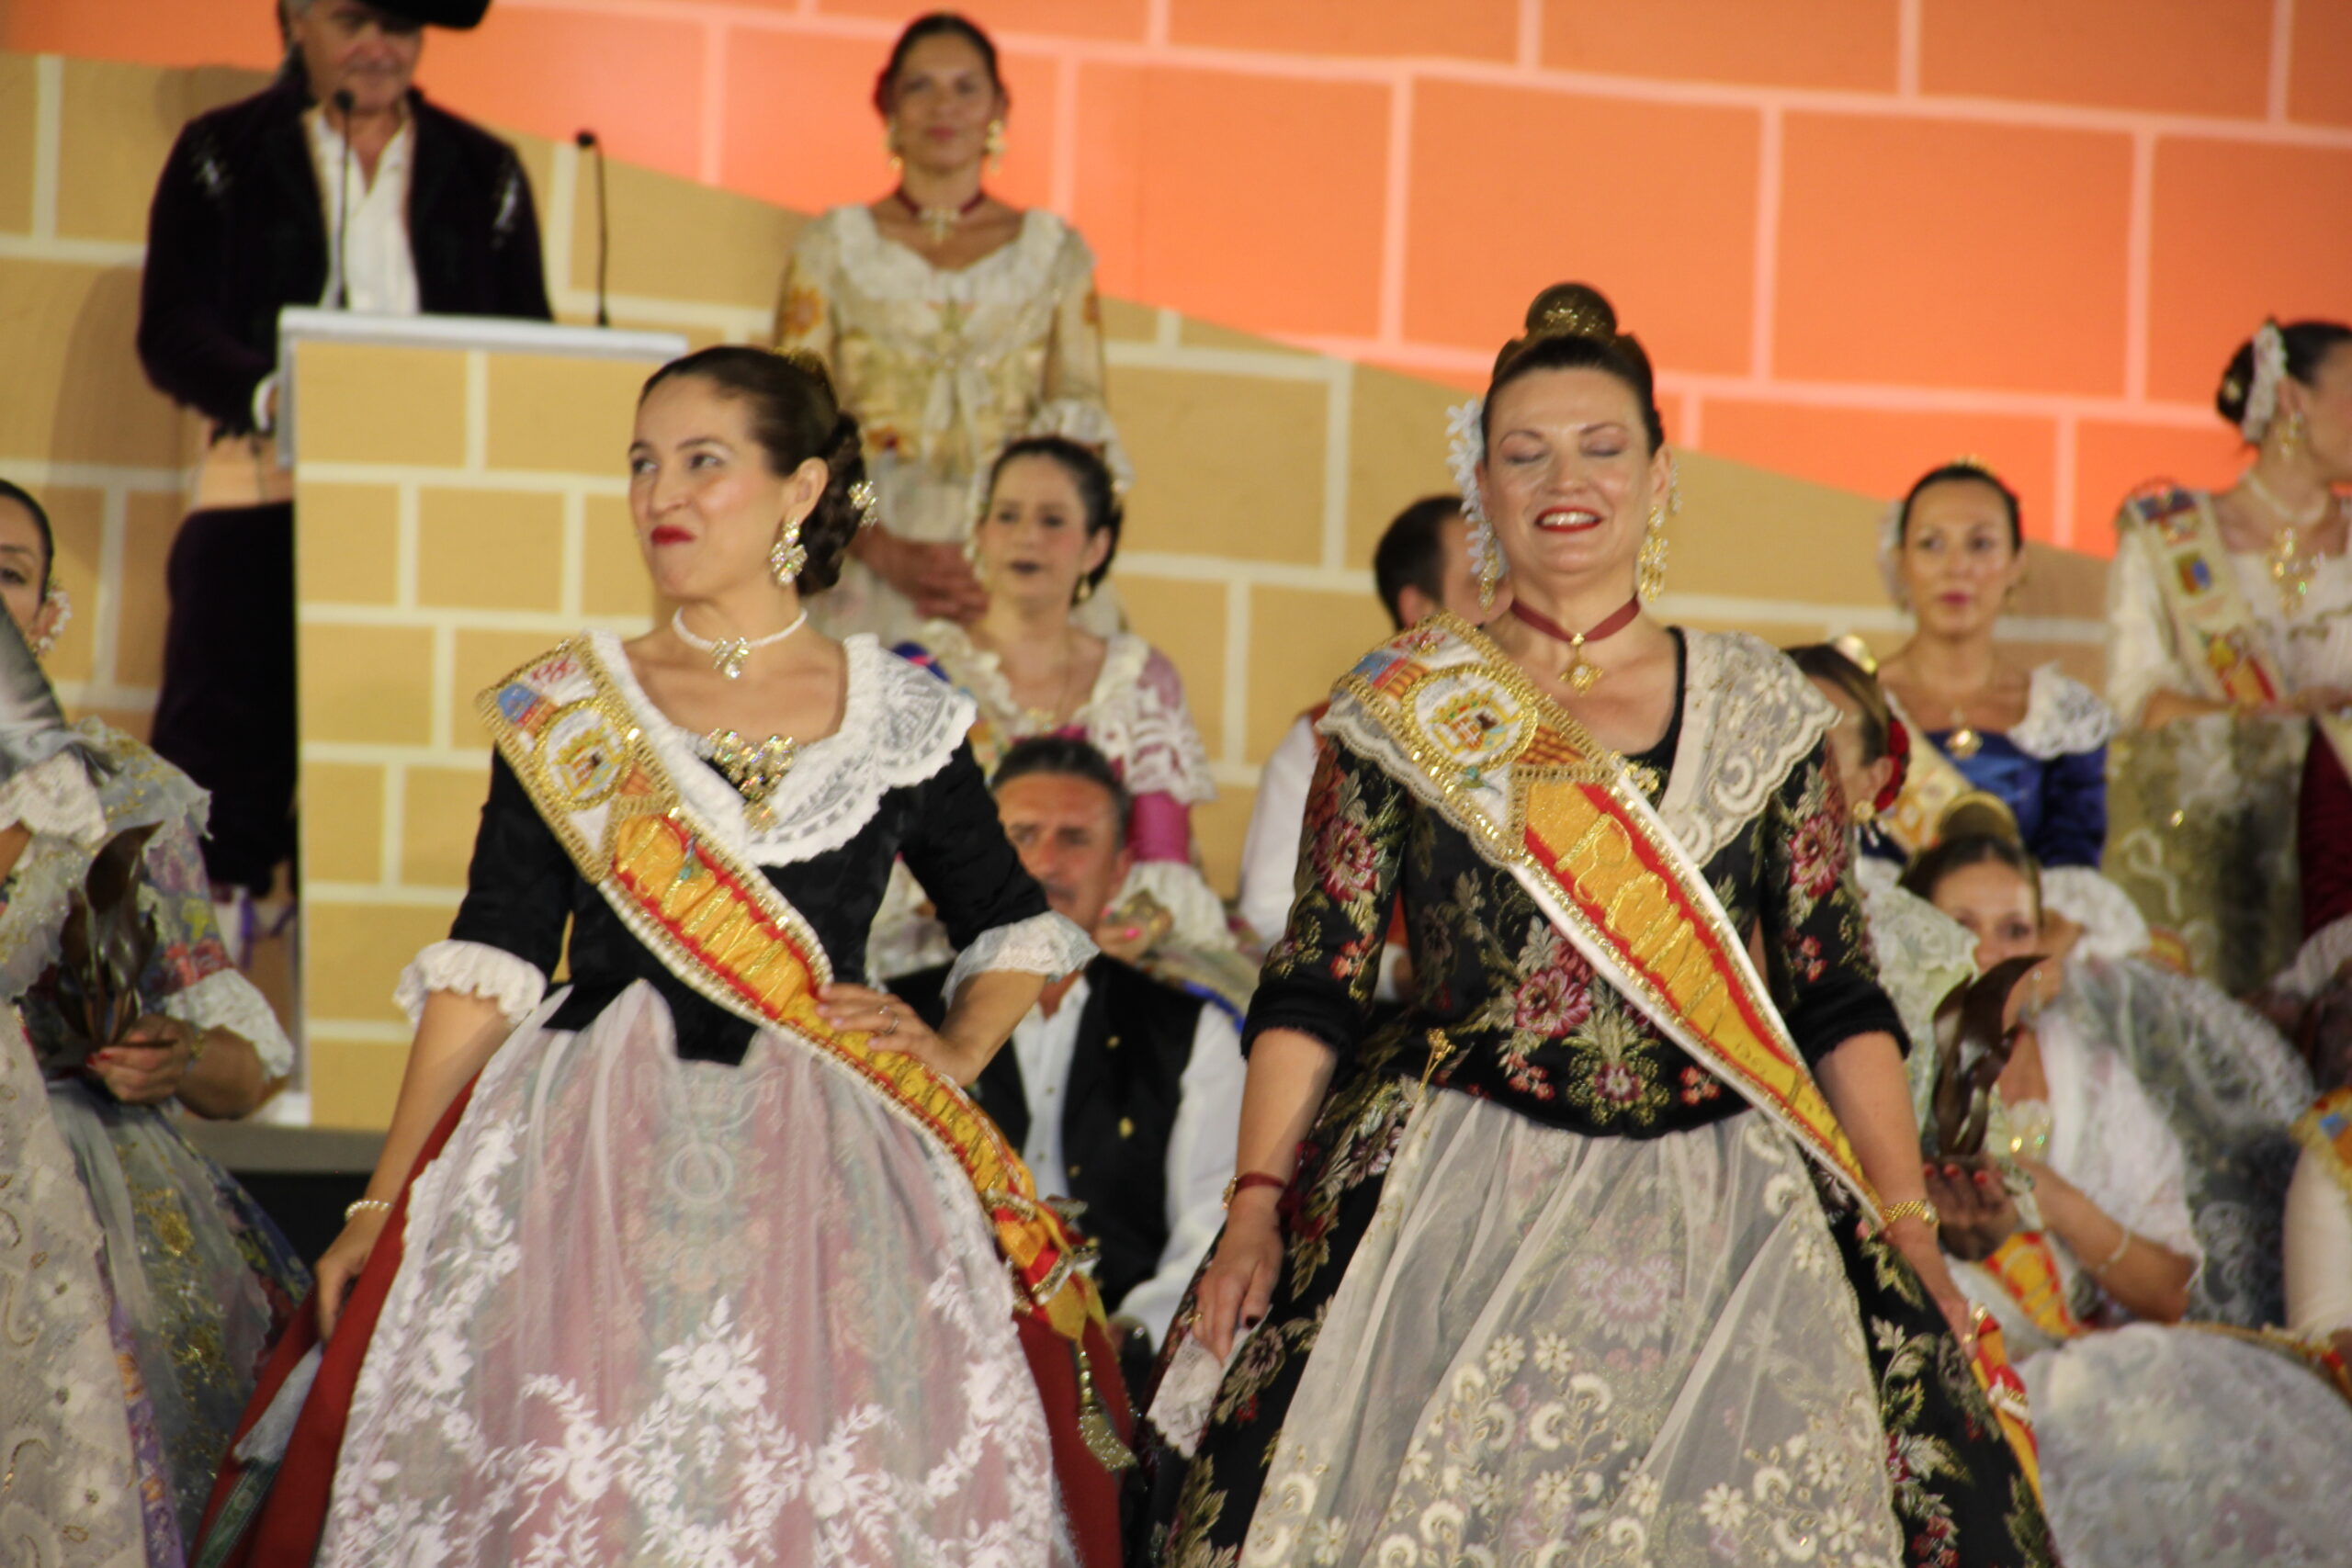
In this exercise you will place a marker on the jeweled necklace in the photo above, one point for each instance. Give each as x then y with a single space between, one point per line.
1581 674
728 653
2290 568
1963 741
755 767
940 220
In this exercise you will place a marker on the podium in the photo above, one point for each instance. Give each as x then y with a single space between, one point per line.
461 504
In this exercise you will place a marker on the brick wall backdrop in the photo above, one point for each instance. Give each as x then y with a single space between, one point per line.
1860 235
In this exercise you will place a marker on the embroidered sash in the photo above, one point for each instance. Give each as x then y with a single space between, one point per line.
2213 624
721 927
1449 715
1930 784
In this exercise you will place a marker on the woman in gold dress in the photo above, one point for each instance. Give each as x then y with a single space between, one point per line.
953 323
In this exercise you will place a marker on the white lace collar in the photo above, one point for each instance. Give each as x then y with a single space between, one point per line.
2061 716
1748 718
898 727
883 268
980 671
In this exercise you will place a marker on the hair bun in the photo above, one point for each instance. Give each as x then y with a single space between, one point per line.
1572 309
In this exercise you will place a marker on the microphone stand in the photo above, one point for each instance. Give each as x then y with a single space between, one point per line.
588 141
344 103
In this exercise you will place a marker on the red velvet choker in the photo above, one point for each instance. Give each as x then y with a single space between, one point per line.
940 220
1580 674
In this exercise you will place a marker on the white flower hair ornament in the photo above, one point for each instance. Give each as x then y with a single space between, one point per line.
1890 554
2269 370
1465 446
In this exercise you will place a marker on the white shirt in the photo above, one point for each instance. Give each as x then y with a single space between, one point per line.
371 242
1270 852
1200 1147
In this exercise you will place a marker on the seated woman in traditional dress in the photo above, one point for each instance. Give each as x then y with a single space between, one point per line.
2159 1445
2224 1079
1954 552
2229 633
1615 1239
1047 531
143 1284
953 323
705 1246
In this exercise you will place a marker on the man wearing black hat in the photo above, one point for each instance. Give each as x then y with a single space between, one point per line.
337 185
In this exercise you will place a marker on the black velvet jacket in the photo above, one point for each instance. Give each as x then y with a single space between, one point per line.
238 233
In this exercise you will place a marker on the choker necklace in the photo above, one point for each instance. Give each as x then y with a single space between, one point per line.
728 653
1580 674
2269 498
940 220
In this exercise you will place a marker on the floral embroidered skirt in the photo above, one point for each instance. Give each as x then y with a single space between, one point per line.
2164 1447
662 1312
195 1279
1512 1343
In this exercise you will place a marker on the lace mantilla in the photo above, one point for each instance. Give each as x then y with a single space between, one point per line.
1135 712
55 796
899 727
2062 717
226 999
1747 718
472 969
2112 925
1045 944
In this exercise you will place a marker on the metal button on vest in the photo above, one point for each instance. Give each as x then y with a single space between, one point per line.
1112 1044
1127 1127
1073 1173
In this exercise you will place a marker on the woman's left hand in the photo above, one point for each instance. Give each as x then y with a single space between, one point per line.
145 1067
890 1024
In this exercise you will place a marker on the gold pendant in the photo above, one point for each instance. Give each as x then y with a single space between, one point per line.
941 221
1581 676
755 770
728 654
1964 742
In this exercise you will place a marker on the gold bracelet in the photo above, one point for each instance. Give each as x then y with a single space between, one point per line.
351 1211
1910 1209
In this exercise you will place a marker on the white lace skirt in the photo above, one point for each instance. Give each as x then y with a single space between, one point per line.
2169 1448
664 1313
1562 1350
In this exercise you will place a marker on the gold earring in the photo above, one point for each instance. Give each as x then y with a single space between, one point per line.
1649 567
1085 590
1864 814
1489 557
995 145
789 555
2290 434
890 145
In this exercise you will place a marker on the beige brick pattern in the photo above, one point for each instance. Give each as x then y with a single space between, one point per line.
612 572
441 808
359 684
359 560
356 1081
1236 461
489 549
372 405
343 822
1320 633
568 416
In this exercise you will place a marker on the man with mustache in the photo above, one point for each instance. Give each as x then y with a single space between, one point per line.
1120 1091
337 185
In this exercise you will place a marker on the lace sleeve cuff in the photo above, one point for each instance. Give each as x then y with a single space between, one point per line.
473 969
2327 951
1043 944
226 999
2112 925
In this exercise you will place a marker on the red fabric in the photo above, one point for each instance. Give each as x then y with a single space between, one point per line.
1089 1493
288 1527
287 1530
1160 828
2324 836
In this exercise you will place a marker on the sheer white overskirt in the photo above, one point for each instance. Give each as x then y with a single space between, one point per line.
1553 1349
666 1313
2170 1448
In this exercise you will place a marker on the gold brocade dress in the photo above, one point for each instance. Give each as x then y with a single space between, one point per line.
942 368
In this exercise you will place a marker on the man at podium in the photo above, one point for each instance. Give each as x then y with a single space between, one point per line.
337 185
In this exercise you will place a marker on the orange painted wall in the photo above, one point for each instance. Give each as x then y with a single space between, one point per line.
1860 235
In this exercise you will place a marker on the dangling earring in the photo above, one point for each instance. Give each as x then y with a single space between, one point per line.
1864 814
995 144
1085 590
62 602
1674 484
1649 567
890 145
789 555
2290 434
1489 557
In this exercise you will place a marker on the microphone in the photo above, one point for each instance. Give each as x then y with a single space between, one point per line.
587 141
344 103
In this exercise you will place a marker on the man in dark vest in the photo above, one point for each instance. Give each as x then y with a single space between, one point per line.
1120 1091
337 185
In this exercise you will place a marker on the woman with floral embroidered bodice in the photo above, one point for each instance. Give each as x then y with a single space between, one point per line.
143 1284
1485 1266
1953 554
1044 546
953 323
705 1246
2159 1444
2229 660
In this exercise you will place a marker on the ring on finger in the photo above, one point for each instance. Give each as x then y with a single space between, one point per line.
889 1017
